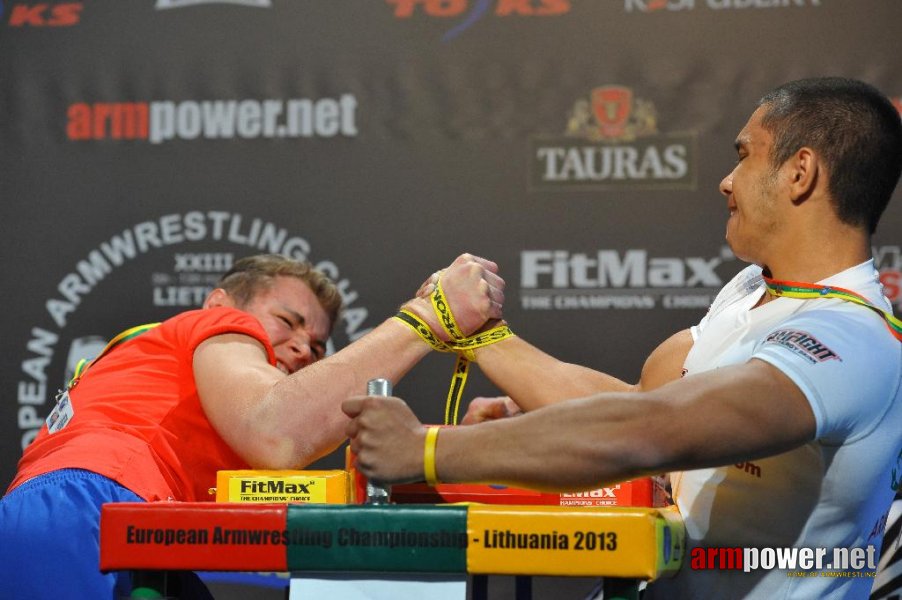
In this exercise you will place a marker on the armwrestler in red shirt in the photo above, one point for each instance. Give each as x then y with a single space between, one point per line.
241 383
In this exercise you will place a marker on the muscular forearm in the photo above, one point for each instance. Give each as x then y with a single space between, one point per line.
535 379
305 407
277 421
603 443
734 413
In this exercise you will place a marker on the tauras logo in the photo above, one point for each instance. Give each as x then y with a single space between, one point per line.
612 141
560 279
41 375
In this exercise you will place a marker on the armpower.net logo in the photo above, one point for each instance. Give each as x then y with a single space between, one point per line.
163 121
797 562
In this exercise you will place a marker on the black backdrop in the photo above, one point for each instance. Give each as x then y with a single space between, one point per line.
147 144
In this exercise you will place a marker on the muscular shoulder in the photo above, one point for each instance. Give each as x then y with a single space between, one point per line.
845 361
665 363
194 327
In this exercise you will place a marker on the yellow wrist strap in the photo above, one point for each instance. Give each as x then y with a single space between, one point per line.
462 346
443 312
422 330
429 455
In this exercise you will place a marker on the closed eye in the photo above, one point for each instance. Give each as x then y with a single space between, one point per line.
741 151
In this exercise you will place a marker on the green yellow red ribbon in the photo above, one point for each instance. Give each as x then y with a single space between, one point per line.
120 338
810 291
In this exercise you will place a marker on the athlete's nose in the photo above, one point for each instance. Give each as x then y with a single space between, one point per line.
726 184
301 353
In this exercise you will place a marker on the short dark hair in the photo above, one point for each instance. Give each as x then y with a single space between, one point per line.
853 127
251 274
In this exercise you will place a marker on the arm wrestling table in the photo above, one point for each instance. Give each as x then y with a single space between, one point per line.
622 545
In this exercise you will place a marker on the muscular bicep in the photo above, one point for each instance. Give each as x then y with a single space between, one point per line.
233 377
720 417
665 363
734 413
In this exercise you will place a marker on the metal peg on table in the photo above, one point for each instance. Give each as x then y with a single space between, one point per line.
378 493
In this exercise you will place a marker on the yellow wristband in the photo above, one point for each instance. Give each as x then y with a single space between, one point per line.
429 455
422 329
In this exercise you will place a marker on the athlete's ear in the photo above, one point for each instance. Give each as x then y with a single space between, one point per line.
219 297
804 173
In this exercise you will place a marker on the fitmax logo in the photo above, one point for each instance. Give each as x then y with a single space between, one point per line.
273 487
608 492
560 269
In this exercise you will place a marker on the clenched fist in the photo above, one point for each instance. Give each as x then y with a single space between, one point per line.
483 409
387 438
473 289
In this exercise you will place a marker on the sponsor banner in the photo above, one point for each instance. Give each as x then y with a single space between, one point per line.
39 15
468 13
797 562
620 280
148 145
678 5
325 487
164 120
612 142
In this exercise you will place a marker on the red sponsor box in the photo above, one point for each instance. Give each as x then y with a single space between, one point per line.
645 491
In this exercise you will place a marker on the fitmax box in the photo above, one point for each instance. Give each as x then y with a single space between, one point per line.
317 487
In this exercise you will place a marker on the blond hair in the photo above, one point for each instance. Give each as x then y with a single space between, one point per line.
251 274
